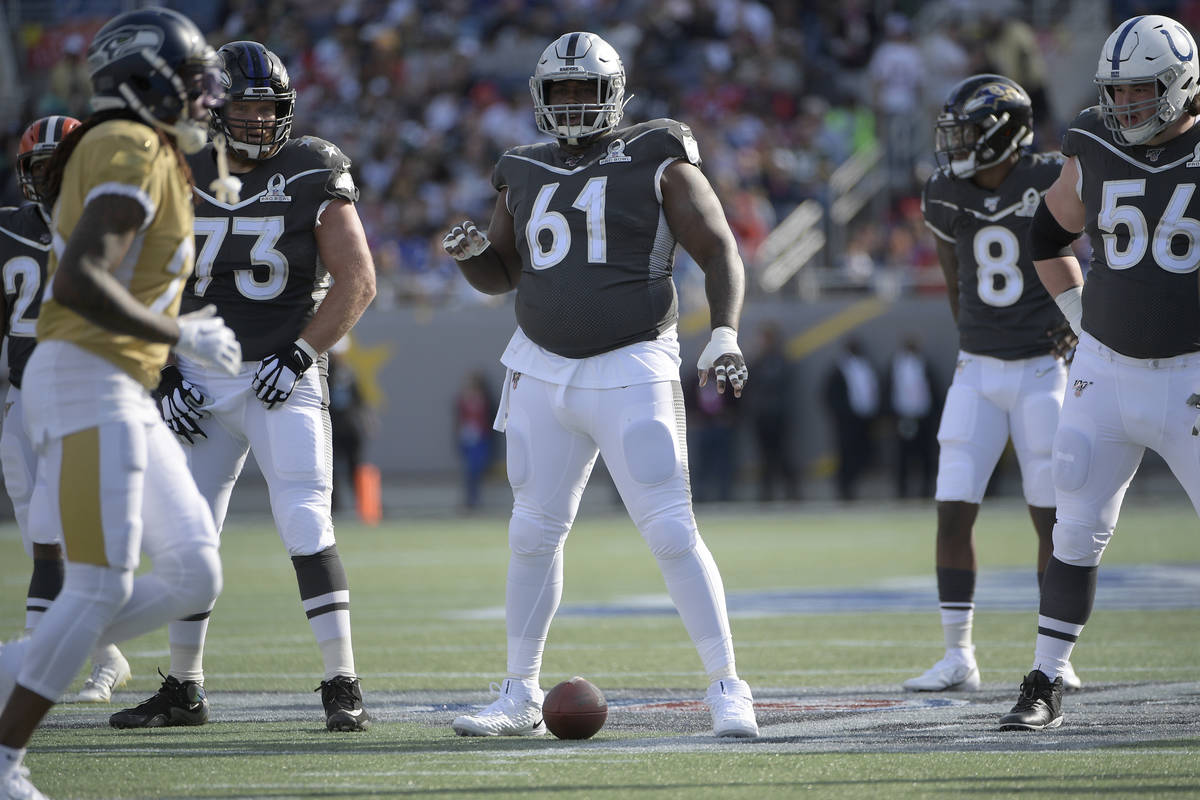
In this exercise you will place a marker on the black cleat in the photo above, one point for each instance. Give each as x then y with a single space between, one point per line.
342 698
1038 707
175 703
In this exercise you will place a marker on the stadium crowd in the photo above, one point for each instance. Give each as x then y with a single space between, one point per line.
424 95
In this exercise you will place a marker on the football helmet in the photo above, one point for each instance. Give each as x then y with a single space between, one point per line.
252 72
37 145
985 120
1147 49
579 56
155 62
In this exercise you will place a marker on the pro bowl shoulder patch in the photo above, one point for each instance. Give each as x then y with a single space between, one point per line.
690 146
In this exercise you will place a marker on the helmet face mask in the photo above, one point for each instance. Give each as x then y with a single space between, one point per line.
985 121
252 75
1148 50
156 63
582 57
38 143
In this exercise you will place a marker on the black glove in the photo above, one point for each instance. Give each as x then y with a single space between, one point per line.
277 373
1062 342
179 404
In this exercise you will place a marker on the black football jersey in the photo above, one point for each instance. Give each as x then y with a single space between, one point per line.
24 248
1003 309
257 260
596 251
1143 217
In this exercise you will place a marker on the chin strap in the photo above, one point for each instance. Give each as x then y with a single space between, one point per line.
226 188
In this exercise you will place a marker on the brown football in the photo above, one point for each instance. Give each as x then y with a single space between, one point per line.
575 709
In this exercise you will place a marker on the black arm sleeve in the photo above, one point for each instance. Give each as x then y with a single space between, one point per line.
1046 238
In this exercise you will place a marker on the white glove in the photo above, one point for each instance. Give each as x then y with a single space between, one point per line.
204 337
277 373
465 241
1194 402
1070 303
723 343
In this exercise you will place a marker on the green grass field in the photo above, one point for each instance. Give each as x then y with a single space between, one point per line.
413 584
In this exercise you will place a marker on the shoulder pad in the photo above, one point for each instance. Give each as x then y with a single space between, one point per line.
312 153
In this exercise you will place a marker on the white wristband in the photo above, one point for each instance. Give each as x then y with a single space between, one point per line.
1070 303
307 348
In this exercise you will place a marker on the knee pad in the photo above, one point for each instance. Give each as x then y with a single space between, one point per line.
302 514
194 573
669 536
650 452
107 587
956 477
1072 459
1080 545
530 535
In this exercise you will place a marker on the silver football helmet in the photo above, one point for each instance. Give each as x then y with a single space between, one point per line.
579 56
1147 49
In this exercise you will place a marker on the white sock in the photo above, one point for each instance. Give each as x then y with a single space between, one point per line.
694 584
956 628
187 638
533 591
10 757
1052 654
337 654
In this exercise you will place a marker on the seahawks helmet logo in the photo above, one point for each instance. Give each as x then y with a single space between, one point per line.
122 42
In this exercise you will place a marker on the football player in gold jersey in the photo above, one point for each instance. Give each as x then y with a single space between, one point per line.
116 481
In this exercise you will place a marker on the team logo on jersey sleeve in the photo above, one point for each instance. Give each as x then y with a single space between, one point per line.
691 147
274 193
616 153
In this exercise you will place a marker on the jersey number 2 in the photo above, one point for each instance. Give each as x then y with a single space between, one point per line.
591 201
29 273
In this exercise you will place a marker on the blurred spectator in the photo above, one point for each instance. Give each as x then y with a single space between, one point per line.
852 399
350 419
915 404
772 405
712 427
898 78
473 414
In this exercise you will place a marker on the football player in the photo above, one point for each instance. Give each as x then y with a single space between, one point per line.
24 248
113 481
1129 181
585 229
289 268
1008 382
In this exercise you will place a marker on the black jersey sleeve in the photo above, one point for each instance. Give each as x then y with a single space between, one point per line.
332 167
1088 120
936 208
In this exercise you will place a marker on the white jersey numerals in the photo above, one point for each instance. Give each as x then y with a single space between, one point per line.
267 232
1164 244
998 278
591 201
30 275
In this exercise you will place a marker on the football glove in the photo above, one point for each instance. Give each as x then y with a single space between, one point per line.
1062 342
724 358
1194 402
277 373
465 241
205 338
179 404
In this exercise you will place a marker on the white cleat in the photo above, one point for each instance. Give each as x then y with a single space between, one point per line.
105 677
949 674
1071 682
516 712
15 785
732 708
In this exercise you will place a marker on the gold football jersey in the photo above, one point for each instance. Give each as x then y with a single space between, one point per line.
126 158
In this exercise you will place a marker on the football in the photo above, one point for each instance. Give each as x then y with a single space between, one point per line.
575 709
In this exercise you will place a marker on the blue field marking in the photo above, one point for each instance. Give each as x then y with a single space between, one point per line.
1141 587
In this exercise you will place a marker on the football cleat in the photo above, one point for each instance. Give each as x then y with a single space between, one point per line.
1039 706
175 703
732 708
949 674
342 697
15 785
1071 682
516 712
106 676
